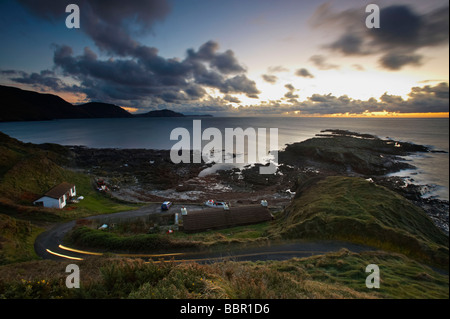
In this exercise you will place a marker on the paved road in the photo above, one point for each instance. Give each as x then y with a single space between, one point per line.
48 244
51 239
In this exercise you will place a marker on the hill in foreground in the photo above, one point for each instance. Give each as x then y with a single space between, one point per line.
332 276
357 210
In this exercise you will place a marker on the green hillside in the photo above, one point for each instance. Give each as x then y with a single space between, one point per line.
359 211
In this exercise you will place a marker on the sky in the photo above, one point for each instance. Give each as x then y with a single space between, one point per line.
234 57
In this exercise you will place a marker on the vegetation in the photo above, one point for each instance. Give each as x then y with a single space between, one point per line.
334 275
342 208
359 211
26 172
16 240
138 241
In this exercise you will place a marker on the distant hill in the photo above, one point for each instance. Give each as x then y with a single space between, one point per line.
160 113
103 110
22 105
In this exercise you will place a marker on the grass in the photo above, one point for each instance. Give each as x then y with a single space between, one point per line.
17 240
334 275
340 208
26 172
356 210
133 237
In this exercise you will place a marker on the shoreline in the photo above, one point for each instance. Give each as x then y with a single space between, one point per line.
143 175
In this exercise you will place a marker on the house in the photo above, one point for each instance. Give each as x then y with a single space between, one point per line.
57 197
213 218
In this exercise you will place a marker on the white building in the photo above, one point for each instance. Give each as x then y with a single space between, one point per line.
57 197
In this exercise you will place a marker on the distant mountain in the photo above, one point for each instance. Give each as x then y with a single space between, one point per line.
22 105
161 113
103 110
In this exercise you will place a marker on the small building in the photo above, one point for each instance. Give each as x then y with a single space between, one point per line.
213 218
58 196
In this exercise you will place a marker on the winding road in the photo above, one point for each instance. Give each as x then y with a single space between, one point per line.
48 245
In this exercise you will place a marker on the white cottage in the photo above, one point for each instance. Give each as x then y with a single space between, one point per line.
57 197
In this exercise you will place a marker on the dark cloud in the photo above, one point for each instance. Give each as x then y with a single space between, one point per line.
137 72
403 32
395 61
240 84
269 78
231 99
439 91
195 91
224 62
150 75
290 95
111 24
399 26
304 73
45 80
348 44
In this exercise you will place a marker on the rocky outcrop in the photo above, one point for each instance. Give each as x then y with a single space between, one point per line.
346 152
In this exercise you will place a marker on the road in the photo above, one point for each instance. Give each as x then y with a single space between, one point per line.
48 245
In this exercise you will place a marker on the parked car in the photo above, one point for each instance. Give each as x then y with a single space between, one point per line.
166 205
217 204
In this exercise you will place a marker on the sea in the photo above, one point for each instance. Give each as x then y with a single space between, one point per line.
432 169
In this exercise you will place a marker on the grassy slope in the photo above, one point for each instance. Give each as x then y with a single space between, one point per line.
16 240
334 275
26 172
359 211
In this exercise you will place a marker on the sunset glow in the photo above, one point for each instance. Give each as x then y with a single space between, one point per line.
235 58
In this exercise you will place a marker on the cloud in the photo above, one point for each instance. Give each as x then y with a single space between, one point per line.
231 99
240 84
304 73
348 44
320 62
45 80
224 62
144 79
420 100
403 32
134 71
149 75
277 69
290 96
111 24
269 78
395 61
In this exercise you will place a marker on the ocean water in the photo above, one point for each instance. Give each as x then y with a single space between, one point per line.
154 133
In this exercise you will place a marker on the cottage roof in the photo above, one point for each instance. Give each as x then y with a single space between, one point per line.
59 190
218 218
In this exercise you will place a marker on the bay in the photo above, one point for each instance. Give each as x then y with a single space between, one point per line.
154 133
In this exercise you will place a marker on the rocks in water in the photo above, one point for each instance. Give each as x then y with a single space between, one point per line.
349 152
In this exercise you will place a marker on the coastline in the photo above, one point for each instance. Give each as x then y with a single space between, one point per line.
142 175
